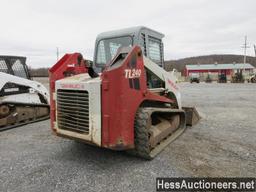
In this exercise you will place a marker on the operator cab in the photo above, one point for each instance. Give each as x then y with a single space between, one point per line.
14 65
107 44
150 41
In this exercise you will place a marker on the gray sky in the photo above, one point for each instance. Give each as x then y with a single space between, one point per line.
34 28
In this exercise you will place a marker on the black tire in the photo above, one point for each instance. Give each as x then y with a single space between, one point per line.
141 135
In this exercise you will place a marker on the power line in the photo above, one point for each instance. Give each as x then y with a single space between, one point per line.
57 53
245 46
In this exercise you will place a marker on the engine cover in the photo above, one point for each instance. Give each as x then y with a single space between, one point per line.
78 108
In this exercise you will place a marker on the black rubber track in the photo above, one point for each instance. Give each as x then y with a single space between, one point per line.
141 135
142 124
18 124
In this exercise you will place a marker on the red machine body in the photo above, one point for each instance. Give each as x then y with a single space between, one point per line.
121 97
69 64
122 93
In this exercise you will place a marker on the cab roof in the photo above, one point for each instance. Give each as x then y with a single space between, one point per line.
12 57
132 31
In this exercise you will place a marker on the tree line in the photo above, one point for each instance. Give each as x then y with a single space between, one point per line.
208 59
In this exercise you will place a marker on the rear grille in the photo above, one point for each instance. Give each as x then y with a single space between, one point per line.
73 110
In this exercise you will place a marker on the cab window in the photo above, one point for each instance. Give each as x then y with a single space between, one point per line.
107 48
18 69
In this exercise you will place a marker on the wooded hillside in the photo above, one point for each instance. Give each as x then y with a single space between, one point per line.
208 59
180 63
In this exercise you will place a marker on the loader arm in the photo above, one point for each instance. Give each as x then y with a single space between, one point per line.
169 79
36 86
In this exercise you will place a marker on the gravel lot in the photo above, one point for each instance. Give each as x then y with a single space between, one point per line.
222 144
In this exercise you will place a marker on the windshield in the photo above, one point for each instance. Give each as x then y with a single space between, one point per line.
107 48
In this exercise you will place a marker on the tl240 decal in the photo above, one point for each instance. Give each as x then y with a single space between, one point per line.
132 73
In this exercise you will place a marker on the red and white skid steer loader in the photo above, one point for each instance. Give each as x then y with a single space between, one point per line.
124 100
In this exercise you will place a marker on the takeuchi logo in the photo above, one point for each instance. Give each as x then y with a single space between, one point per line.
72 86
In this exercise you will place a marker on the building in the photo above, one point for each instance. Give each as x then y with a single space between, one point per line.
215 69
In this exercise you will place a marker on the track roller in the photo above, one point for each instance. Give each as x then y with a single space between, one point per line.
17 114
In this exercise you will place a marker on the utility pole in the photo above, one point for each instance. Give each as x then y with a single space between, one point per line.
255 50
57 53
245 46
